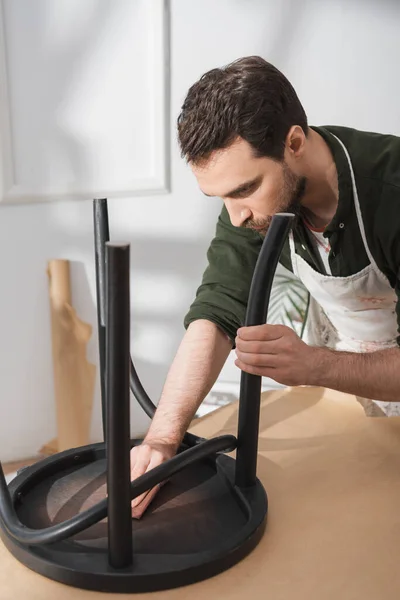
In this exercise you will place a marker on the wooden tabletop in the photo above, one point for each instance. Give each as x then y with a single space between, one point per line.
333 480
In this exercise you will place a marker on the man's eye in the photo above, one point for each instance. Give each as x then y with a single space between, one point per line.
244 193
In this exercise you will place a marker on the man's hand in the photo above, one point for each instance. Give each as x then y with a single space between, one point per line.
275 351
197 364
145 457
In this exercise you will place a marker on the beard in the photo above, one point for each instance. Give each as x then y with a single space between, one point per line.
289 200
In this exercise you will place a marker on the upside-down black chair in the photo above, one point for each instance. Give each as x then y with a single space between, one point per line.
68 517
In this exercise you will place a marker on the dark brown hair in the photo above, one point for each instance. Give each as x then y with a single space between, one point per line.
248 98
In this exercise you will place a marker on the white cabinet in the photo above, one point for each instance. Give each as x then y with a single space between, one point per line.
84 89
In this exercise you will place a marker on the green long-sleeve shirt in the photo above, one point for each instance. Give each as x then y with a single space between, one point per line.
232 255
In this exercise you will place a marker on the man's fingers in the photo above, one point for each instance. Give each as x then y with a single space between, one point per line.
139 463
258 360
156 460
262 333
138 499
143 465
257 347
262 371
140 459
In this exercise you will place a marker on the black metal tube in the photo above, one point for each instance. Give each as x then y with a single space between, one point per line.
34 537
118 414
101 236
250 385
140 394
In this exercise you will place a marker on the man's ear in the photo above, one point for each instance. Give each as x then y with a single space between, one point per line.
295 142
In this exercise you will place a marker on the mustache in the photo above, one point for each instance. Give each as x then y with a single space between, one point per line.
262 225
258 224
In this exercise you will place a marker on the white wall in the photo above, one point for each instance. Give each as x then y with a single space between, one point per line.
342 57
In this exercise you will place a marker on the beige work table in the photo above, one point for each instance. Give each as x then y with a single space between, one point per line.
333 480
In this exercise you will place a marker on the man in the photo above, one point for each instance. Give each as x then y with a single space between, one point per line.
245 136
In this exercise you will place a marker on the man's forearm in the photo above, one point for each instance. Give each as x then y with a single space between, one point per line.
374 375
197 364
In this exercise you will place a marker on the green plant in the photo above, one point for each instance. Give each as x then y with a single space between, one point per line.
288 302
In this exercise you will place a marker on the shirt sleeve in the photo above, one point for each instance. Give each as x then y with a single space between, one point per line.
224 290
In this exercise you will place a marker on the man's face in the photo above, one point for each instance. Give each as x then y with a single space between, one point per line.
253 189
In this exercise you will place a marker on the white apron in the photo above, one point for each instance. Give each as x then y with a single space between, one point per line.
355 313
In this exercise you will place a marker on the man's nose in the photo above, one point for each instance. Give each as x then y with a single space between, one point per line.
237 214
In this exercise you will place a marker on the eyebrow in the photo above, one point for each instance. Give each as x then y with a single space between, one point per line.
240 189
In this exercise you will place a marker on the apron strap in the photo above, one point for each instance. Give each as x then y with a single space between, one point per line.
293 254
357 206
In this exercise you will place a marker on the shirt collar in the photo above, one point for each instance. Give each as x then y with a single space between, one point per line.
346 202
